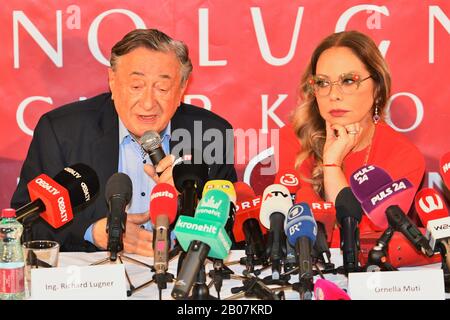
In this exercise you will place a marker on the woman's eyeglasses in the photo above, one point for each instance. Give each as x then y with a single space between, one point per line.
348 83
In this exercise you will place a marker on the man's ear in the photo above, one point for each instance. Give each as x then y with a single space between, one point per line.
182 90
111 80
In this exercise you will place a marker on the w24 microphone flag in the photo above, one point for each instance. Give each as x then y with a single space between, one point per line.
444 168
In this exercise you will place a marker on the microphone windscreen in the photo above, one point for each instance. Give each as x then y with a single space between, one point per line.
307 194
276 198
325 213
366 180
288 178
223 185
192 169
244 211
444 168
163 200
347 205
81 181
327 290
300 223
376 191
119 184
429 205
244 192
214 206
150 141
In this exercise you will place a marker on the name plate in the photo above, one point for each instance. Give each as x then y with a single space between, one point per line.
422 284
79 283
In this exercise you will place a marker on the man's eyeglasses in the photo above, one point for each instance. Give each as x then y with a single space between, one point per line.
348 83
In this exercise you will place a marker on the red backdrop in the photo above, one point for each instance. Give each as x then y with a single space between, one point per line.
248 57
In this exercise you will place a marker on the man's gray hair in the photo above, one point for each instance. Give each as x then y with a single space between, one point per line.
154 40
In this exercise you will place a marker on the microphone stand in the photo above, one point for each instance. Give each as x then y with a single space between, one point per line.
377 258
276 254
200 291
444 250
255 287
116 256
160 275
27 223
218 274
321 251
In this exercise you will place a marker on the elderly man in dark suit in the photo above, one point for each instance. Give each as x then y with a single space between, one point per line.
148 76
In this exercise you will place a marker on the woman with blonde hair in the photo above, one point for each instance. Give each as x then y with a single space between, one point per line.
338 125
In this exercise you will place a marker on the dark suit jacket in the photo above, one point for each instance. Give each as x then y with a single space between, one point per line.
88 132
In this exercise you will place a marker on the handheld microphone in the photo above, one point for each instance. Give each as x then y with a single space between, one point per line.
400 222
349 214
163 211
327 290
376 191
189 178
118 193
321 250
151 143
276 202
201 236
444 169
54 199
325 215
224 185
291 180
433 214
227 187
301 232
248 227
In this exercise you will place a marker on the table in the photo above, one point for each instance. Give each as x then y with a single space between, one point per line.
141 275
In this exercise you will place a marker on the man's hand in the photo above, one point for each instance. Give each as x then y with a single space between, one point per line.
135 240
164 167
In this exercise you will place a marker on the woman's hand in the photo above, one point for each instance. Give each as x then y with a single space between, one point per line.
340 140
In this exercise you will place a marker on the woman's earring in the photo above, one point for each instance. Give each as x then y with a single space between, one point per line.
376 117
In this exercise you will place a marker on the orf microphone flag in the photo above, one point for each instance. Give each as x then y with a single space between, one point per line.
244 192
324 212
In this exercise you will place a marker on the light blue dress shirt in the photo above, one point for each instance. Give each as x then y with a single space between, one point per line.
132 159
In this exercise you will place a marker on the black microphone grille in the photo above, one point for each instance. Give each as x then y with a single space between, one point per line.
150 140
190 167
81 181
347 205
119 184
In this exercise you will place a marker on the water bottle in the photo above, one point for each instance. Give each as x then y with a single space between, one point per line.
11 257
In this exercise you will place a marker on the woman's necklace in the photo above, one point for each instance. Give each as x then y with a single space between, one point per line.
369 148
